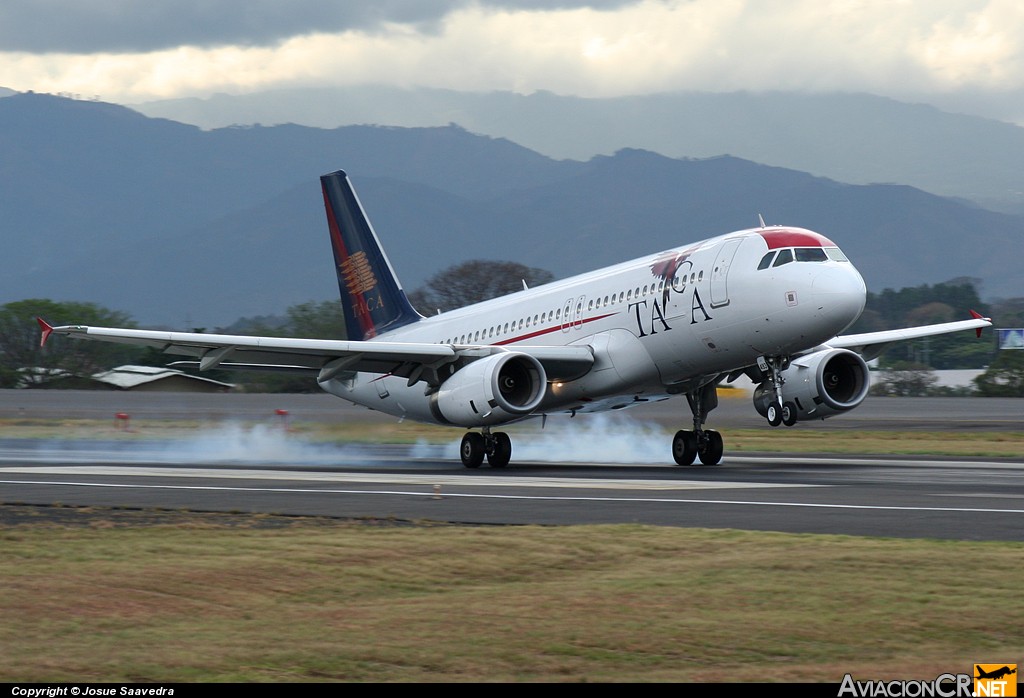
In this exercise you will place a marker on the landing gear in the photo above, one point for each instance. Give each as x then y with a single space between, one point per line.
705 444
789 414
501 453
497 447
684 447
778 411
472 450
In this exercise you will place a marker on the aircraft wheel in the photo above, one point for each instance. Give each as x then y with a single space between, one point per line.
472 450
789 414
684 447
710 450
502 453
774 414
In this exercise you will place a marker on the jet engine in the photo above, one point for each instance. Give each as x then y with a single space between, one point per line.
493 390
819 385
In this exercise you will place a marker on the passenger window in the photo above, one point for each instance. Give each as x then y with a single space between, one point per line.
785 257
766 261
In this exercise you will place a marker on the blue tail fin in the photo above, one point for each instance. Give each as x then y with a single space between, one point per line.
371 296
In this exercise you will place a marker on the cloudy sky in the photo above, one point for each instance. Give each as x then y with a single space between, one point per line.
137 50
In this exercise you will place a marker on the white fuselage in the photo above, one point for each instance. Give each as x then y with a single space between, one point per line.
658 325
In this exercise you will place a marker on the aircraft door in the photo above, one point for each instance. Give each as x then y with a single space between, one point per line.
572 313
720 272
567 315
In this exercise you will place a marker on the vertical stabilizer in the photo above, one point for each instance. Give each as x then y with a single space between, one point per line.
371 296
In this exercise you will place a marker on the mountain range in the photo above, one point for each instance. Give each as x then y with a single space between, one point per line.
856 138
184 227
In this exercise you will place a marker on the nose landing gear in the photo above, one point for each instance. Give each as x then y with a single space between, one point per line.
778 410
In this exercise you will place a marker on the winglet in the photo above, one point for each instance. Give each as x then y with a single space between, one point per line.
978 316
47 331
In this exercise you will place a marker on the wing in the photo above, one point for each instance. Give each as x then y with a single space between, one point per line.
325 358
871 344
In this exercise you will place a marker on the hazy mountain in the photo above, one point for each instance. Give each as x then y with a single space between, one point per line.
857 138
186 227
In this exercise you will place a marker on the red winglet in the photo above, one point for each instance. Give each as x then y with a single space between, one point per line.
47 331
978 316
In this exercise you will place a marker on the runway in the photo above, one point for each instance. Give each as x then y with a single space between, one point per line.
900 497
255 469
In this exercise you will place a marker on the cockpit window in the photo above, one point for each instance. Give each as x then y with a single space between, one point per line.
785 257
776 258
810 254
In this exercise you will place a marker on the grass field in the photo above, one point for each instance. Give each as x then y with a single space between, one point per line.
102 595
163 596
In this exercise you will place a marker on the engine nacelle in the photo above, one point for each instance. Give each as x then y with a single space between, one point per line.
822 384
494 390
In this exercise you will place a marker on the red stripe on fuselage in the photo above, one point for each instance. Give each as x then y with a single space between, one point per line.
549 330
777 239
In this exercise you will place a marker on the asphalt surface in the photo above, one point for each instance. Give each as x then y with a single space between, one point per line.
259 470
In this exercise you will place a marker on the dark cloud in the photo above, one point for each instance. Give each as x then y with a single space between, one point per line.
122 26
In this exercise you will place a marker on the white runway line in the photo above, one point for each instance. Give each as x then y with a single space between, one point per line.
484 480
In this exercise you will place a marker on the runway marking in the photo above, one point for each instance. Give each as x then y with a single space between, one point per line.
466 495
485 480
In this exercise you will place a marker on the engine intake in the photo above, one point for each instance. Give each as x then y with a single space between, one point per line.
821 385
494 390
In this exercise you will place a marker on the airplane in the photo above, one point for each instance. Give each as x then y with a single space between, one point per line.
995 674
769 302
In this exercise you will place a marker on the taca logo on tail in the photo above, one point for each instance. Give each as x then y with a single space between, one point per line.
371 296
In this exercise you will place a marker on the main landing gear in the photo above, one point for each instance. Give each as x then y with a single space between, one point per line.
705 444
497 447
778 411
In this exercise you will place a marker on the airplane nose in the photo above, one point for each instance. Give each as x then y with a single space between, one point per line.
840 294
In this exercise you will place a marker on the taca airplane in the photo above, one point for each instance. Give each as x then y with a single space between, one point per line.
769 302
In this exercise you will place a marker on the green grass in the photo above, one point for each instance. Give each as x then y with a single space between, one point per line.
144 596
